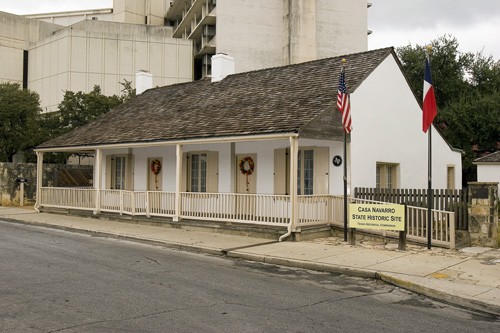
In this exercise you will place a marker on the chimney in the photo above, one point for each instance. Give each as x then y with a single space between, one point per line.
143 81
222 66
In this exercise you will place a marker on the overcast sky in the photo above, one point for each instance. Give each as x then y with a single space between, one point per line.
475 24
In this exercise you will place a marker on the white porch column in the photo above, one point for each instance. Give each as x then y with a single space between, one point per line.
178 175
97 180
294 152
232 168
39 176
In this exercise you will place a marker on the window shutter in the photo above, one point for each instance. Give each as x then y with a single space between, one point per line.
213 171
184 173
129 173
280 171
108 171
321 169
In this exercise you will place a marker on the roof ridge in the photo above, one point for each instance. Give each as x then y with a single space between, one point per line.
350 55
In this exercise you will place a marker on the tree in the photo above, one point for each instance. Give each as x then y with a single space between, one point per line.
467 89
449 68
127 91
19 111
78 109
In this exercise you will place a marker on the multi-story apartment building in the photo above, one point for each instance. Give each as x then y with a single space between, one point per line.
172 39
268 33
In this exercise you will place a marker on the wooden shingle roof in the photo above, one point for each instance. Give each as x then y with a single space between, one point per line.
490 158
275 100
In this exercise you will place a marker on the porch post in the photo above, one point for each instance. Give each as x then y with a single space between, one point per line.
232 168
39 175
97 180
294 152
178 175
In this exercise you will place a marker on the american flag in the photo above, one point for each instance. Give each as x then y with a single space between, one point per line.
343 103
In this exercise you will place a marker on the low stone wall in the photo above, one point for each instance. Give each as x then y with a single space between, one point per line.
10 172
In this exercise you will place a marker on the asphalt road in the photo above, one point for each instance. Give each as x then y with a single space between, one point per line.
56 281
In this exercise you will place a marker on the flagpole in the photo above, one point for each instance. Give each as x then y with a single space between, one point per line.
344 106
345 186
428 122
430 198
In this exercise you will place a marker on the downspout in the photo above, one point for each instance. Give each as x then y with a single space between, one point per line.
293 187
39 175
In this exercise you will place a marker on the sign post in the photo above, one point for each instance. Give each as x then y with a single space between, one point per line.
21 182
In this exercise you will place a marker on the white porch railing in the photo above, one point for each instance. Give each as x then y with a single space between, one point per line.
244 208
71 198
161 203
320 209
443 225
258 208
138 203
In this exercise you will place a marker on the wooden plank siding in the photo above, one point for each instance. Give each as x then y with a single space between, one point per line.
447 200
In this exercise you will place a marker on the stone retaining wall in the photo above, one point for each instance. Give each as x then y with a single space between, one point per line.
10 172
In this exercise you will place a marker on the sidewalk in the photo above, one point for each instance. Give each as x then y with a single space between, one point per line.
469 277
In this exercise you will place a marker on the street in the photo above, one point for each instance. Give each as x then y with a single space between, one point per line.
57 281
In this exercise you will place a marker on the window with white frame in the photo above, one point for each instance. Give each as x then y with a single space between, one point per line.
387 175
200 172
312 170
197 172
118 172
305 172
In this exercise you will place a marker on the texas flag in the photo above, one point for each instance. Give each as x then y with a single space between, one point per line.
430 109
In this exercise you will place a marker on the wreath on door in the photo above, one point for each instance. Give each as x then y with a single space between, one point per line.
247 165
155 167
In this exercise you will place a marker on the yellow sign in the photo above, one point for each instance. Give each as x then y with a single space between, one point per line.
380 217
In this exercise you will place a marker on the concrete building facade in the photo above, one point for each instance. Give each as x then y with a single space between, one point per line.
90 53
262 33
16 35
50 59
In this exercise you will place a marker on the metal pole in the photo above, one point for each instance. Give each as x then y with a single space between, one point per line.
39 183
429 192
345 186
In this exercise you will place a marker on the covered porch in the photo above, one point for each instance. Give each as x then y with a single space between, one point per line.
291 183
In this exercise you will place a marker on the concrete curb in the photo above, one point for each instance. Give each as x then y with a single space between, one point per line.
169 245
464 302
304 264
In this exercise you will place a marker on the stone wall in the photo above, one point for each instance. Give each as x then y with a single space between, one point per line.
10 172
483 214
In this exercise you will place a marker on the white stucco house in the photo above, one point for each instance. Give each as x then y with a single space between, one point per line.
488 168
256 147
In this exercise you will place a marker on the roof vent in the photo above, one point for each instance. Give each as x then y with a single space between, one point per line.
222 66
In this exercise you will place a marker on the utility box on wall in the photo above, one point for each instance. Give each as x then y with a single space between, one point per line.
483 214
